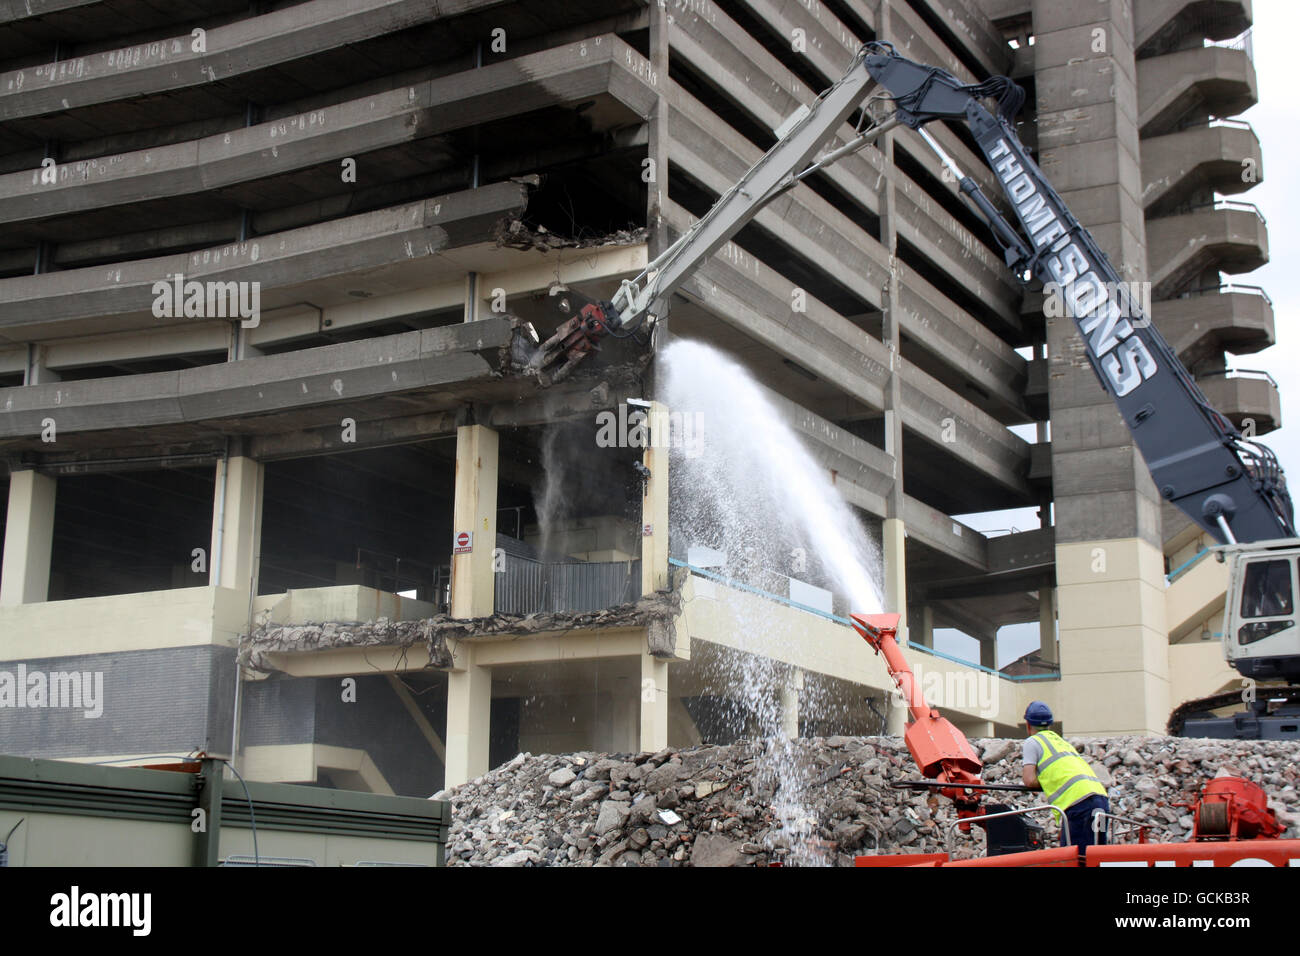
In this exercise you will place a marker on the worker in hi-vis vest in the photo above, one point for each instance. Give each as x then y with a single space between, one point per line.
1065 778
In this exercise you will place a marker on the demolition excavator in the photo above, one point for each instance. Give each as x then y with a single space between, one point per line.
1231 487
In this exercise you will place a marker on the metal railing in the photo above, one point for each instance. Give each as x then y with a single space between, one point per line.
1138 825
1222 204
1243 41
1227 288
910 645
1255 373
1213 121
1037 808
526 586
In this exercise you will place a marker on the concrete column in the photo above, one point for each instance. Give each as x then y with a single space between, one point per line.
469 715
891 319
654 505
236 523
657 131
894 558
37 372
473 297
624 732
1113 644
29 539
989 650
654 703
1047 648
923 620
896 717
475 512
788 701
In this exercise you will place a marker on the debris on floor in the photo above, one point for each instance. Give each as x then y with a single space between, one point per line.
714 805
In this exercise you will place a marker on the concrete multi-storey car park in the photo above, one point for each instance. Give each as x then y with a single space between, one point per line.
404 184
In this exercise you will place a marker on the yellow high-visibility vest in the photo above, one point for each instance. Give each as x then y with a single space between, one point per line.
1065 777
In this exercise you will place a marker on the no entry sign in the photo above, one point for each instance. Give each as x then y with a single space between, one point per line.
464 543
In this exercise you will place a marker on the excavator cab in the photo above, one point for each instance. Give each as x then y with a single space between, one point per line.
1261 636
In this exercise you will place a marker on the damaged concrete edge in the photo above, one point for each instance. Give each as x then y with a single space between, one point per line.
657 613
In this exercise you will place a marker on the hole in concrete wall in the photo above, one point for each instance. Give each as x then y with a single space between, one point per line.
570 518
130 532
380 518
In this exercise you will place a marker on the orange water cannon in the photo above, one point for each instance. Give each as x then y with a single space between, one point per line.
941 751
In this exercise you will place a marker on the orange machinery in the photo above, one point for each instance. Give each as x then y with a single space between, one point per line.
1233 823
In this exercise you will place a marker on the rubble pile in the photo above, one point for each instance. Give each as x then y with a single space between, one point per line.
727 806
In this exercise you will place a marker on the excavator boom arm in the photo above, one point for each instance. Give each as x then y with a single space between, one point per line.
1234 489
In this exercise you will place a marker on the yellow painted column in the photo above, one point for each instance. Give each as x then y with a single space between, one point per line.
894 558
654 504
469 715
654 703
896 716
236 523
788 700
29 539
1047 648
475 514
1114 645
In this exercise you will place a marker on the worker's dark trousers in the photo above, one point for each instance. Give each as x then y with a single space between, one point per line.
1079 817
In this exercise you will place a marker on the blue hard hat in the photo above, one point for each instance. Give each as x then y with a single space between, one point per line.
1038 714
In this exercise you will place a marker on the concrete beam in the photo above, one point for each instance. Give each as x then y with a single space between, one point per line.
973 27
264 385
1213 79
719 48
1203 327
16 10
1181 247
1215 158
831 47
57 304
234 49
563 76
944 534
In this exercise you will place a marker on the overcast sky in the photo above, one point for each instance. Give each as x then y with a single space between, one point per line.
1276 119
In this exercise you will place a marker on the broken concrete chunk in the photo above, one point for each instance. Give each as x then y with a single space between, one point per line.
561 778
613 814
712 850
